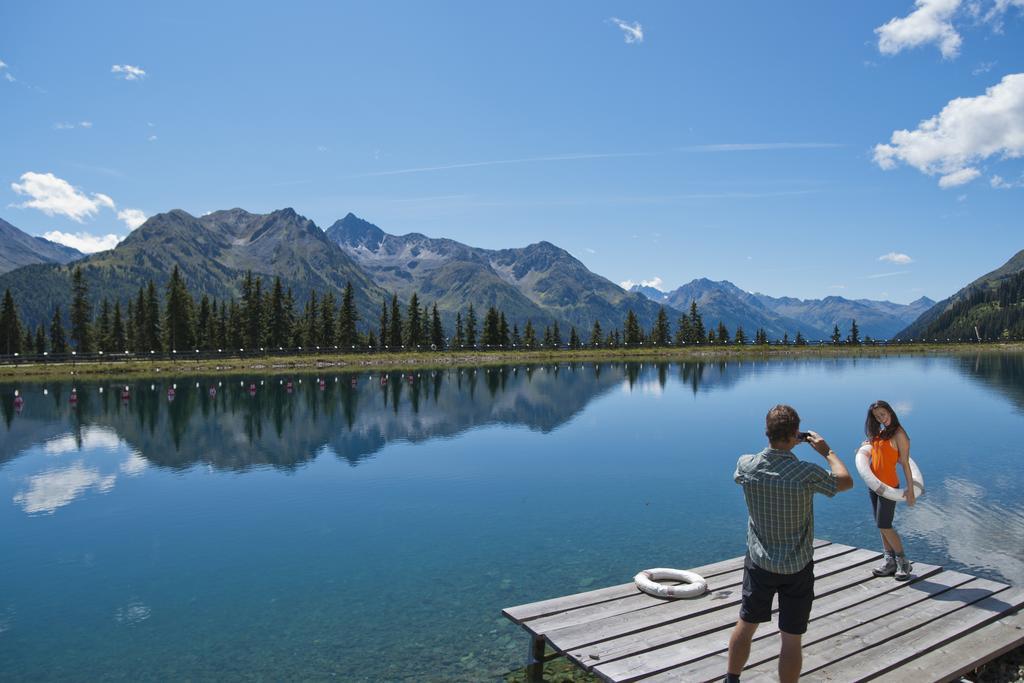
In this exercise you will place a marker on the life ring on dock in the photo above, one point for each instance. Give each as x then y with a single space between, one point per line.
693 585
863 461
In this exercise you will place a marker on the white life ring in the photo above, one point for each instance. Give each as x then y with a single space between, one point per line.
692 586
863 460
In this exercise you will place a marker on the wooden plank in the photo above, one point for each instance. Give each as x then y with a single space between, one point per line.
859 632
639 600
873 661
965 654
707 638
542 608
622 635
689 654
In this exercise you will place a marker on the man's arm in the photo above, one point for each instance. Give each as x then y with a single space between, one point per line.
844 482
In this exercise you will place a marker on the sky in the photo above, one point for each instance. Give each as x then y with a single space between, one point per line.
862 149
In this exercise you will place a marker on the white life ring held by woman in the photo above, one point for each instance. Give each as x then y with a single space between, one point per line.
693 585
863 460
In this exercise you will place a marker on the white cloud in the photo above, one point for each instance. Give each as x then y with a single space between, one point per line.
83 241
128 72
152 138
928 23
590 251
999 8
56 488
961 177
896 257
70 125
1000 183
655 282
966 131
55 196
133 218
982 68
631 33
6 72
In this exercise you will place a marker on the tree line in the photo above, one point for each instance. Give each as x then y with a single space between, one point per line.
270 319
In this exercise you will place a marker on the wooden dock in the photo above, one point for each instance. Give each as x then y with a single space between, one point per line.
935 627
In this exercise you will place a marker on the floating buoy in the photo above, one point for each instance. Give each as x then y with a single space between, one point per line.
19 401
125 394
213 391
170 394
74 396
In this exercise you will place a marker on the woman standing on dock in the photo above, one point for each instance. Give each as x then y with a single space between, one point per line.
889 445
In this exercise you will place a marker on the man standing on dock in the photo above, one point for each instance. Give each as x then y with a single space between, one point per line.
779 489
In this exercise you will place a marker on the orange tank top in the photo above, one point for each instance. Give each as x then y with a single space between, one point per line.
884 457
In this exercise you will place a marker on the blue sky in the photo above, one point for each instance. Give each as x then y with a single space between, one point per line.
786 147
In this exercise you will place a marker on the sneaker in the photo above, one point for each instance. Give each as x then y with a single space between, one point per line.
903 569
887 568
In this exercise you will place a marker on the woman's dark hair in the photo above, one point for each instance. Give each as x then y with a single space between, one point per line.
873 428
781 423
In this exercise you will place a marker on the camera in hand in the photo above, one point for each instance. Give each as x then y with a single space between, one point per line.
804 436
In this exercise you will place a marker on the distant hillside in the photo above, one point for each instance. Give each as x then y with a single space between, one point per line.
726 303
993 303
18 248
814 318
213 252
541 282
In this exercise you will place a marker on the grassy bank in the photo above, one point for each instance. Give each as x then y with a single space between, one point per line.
383 362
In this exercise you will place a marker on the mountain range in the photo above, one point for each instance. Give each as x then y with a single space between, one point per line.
18 249
539 282
814 318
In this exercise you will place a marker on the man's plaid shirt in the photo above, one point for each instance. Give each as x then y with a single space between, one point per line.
779 489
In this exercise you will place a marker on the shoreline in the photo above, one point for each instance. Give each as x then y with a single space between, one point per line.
385 362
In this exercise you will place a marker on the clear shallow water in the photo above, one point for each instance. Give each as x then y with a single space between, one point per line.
374 532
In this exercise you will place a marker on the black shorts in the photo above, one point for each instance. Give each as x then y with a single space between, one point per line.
884 510
796 595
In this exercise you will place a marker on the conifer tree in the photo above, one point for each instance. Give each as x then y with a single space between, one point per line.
684 335
504 338
277 324
415 324
118 341
517 340
290 324
547 343
631 332
140 322
40 341
348 335
836 335
661 332
740 337
489 333
529 336
236 327
328 324
436 330
178 320
255 316
800 341
574 339
460 338
103 327
129 327
223 327
696 322
58 342
385 323
723 332
81 313
203 324
785 338
712 338
425 325
395 333
311 320
471 327
854 337
10 327
556 335
152 336
596 335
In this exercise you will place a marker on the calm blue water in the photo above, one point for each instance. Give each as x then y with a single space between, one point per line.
374 532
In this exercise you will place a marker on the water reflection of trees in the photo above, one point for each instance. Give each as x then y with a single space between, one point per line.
239 424
1001 371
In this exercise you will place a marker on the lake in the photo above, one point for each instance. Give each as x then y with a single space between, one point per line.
371 527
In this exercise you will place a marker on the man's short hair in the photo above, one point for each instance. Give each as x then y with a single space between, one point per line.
781 423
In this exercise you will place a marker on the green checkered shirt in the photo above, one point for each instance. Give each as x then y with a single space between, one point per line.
779 489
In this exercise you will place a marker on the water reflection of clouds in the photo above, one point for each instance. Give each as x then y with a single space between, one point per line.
56 488
91 438
970 529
